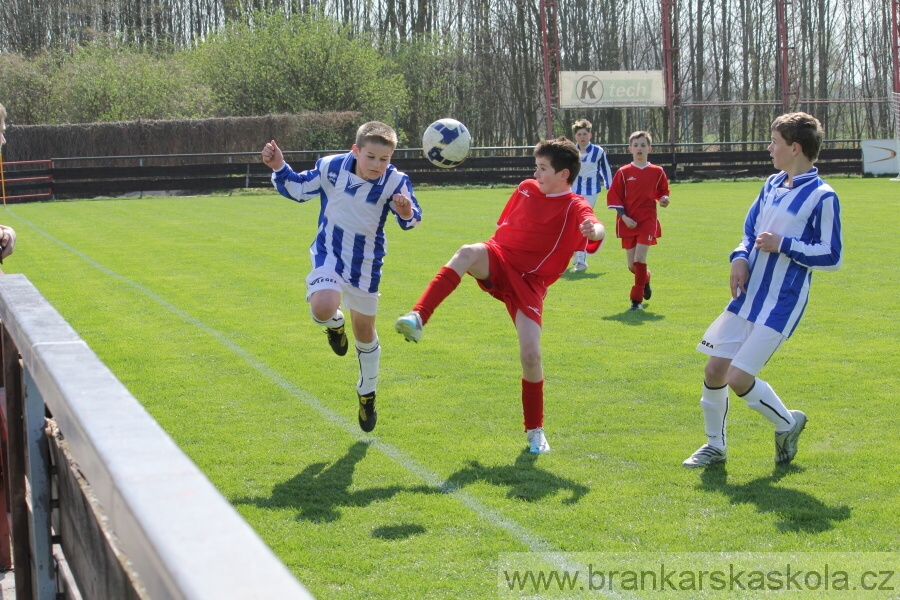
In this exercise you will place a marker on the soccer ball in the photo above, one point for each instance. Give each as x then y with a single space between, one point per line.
446 143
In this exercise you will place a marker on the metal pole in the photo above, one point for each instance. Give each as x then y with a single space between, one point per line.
668 7
781 18
550 46
895 37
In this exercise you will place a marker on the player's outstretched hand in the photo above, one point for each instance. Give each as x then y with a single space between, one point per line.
403 206
272 156
664 201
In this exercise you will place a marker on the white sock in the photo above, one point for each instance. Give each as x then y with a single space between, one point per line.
333 323
369 356
714 403
763 399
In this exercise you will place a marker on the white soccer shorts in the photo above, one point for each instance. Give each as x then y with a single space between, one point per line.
324 278
748 345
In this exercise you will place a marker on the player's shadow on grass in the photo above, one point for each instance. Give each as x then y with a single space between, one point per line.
578 275
798 511
321 490
524 479
634 317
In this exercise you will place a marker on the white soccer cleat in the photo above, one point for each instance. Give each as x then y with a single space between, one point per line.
705 456
786 441
537 442
410 325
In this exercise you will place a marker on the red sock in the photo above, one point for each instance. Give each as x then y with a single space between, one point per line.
533 404
437 290
640 278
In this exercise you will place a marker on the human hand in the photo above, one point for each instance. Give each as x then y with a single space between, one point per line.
272 156
7 241
587 228
768 242
629 222
403 206
740 275
664 201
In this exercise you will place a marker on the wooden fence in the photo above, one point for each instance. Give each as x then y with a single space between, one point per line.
197 173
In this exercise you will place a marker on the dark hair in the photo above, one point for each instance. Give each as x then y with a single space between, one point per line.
803 129
562 154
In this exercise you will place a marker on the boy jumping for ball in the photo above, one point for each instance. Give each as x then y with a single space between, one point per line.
792 228
635 190
357 190
542 224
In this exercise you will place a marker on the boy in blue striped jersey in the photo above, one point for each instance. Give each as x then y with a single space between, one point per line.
592 176
792 228
357 191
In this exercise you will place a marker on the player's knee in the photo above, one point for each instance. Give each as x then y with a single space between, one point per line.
531 359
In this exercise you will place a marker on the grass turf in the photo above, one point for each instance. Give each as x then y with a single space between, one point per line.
197 305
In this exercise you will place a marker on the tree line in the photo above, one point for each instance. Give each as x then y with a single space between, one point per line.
408 62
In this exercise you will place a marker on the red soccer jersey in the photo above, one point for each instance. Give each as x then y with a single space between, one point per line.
636 190
539 233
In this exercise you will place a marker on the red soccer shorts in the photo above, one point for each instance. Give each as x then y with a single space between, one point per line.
516 291
630 242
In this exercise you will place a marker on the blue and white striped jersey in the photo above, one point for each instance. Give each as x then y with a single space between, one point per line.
808 217
594 166
353 212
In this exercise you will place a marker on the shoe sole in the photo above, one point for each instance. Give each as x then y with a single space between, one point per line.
715 461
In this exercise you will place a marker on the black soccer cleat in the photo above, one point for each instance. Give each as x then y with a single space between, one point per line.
368 416
337 339
647 291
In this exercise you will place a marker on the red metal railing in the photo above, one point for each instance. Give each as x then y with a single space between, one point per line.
4 180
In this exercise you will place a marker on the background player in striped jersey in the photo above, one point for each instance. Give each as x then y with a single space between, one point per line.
592 175
635 190
357 190
542 224
792 228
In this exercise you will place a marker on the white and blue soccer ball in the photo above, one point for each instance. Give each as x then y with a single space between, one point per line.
446 143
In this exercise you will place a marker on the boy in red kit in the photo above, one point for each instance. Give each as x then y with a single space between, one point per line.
635 190
543 223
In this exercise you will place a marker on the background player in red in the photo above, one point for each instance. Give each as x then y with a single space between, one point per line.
635 190
543 223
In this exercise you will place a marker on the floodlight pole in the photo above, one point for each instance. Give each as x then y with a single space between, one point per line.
550 44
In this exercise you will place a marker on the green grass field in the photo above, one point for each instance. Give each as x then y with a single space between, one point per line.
197 304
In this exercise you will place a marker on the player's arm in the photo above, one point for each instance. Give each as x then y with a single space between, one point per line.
604 169
298 187
824 250
663 189
405 206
